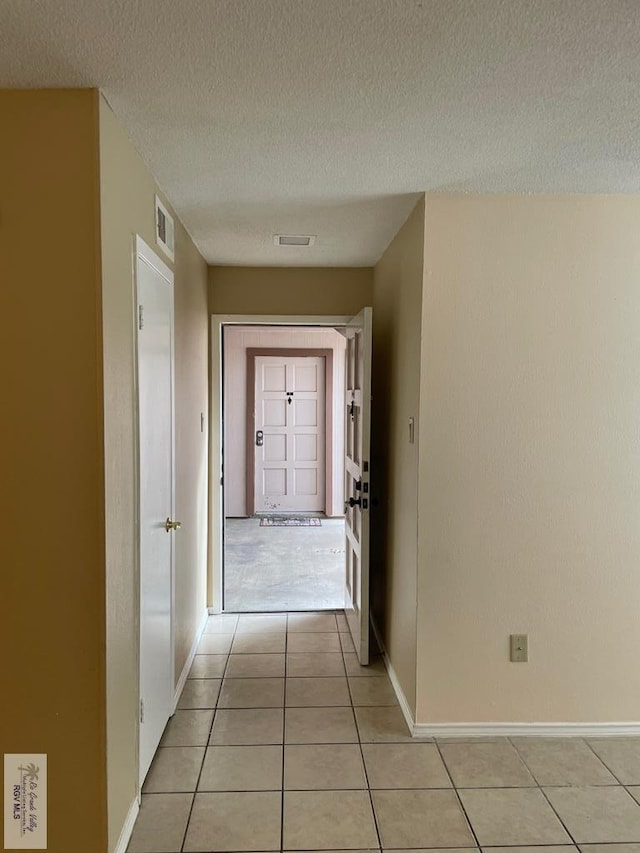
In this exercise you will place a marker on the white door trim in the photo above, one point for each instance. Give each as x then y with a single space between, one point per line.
216 544
142 250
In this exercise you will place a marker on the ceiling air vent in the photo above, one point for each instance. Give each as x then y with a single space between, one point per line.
164 229
294 239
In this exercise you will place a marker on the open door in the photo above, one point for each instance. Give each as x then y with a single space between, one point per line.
357 495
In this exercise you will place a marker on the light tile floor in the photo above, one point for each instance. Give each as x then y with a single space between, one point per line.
282 742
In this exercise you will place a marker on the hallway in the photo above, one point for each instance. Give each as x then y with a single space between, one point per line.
282 742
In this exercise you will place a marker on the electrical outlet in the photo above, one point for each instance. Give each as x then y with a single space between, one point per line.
519 645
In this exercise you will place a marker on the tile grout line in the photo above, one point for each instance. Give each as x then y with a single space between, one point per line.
360 744
457 795
603 762
364 763
544 794
346 675
553 809
540 788
588 745
206 746
284 729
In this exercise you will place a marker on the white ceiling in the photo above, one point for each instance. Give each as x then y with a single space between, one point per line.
326 117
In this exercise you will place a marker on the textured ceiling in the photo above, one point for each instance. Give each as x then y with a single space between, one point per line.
327 116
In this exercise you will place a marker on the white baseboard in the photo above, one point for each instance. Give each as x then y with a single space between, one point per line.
127 829
467 730
402 699
395 682
192 653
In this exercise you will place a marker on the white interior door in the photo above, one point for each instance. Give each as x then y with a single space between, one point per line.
154 316
289 433
357 494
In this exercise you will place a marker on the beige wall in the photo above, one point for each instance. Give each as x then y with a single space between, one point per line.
289 290
397 309
192 442
530 459
52 499
127 195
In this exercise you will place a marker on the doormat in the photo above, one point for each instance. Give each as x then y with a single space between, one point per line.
289 521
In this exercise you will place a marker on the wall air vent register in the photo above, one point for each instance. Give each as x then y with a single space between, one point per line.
164 229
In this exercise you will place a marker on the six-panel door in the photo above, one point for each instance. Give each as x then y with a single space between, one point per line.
290 433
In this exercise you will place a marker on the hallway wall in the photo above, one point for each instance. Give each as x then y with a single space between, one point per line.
530 459
397 302
289 290
51 449
127 199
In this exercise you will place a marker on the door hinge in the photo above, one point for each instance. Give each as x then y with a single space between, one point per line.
140 317
142 710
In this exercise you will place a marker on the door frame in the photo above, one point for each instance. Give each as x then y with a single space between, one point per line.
144 251
286 352
215 591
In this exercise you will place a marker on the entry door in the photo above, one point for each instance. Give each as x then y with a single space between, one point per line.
154 322
289 433
357 494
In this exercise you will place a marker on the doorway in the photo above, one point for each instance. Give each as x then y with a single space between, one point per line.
283 446
351 489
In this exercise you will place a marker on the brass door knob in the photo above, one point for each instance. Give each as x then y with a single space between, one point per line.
172 525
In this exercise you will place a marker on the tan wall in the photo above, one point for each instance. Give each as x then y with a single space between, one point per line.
289 290
529 501
52 503
394 481
128 191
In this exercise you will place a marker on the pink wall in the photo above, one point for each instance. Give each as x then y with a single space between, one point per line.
236 341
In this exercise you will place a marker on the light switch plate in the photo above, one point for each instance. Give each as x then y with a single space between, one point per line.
519 646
